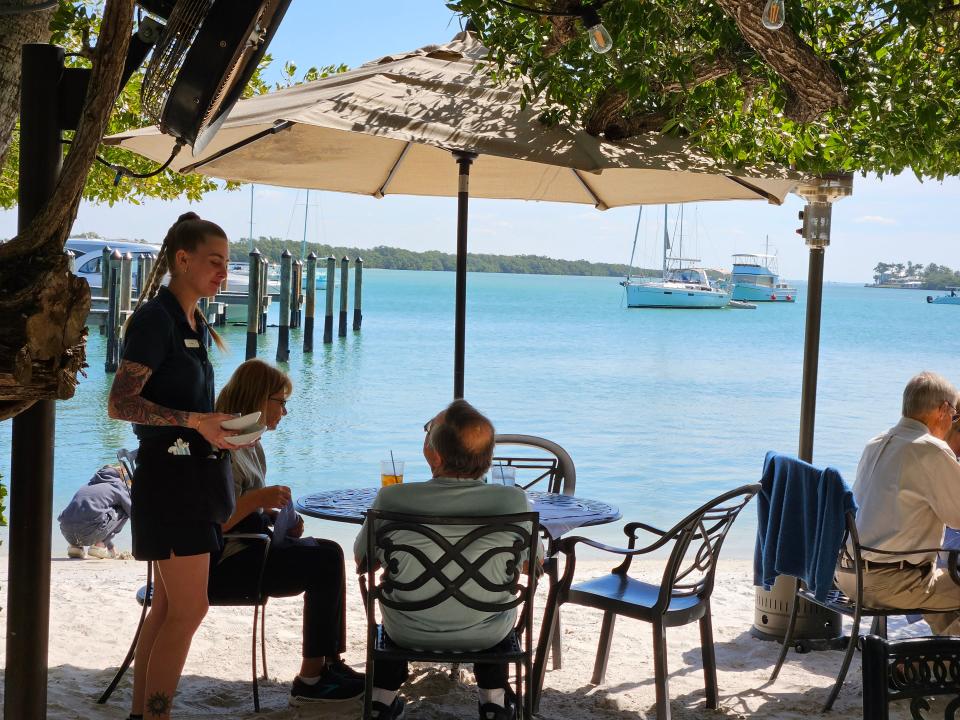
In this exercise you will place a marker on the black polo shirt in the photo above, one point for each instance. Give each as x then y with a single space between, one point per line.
160 338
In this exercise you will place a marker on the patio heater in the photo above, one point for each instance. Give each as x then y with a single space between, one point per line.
203 54
816 627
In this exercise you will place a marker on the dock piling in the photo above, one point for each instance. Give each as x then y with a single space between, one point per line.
296 282
113 312
357 292
344 281
264 293
311 303
126 284
145 263
283 340
253 304
105 278
328 316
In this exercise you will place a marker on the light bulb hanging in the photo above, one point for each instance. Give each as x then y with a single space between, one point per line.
600 40
774 14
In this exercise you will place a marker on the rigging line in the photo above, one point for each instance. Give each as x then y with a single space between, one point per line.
286 235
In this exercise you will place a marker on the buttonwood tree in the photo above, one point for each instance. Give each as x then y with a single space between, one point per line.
844 85
43 307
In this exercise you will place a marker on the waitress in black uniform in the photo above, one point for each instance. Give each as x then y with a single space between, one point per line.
182 487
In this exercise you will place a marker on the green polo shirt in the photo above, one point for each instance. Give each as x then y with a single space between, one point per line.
449 625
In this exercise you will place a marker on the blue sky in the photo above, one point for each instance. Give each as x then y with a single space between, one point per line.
895 220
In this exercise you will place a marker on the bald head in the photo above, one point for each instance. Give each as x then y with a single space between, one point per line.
463 438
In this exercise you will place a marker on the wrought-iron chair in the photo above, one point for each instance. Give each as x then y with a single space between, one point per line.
681 597
252 595
536 460
455 568
911 670
549 462
851 556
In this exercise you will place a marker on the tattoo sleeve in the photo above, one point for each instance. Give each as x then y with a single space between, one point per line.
126 403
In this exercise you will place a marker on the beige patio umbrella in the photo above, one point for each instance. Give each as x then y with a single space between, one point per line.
390 126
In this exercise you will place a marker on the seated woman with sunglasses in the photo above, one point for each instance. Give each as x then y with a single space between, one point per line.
310 566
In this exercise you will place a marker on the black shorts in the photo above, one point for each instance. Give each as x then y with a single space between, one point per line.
178 503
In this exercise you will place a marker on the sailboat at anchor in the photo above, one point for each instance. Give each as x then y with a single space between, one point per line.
682 283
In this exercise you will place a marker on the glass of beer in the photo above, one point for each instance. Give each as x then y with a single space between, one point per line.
391 472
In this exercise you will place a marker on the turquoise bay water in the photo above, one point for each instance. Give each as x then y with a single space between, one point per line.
659 409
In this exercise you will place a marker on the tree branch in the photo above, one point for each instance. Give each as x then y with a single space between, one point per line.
815 87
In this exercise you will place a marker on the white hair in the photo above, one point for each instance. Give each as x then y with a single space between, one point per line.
926 392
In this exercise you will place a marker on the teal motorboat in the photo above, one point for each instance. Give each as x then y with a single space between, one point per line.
755 278
952 299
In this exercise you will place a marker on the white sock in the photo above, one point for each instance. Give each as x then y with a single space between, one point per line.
384 696
309 680
496 696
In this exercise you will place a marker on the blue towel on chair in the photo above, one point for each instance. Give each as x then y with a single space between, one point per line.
801 521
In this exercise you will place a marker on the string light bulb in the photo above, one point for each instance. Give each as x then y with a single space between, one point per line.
600 40
774 14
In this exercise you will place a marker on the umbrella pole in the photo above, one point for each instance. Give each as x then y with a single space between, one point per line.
816 215
464 160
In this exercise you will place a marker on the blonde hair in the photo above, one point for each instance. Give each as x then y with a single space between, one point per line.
187 233
251 384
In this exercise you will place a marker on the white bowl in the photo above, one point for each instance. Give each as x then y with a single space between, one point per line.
242 422
248 435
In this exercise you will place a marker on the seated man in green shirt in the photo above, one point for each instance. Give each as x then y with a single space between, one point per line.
459 450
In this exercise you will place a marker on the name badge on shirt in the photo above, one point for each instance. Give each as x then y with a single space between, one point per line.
191 343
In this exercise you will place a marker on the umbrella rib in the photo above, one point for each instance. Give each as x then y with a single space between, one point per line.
382 190
282 125
772 199
598 203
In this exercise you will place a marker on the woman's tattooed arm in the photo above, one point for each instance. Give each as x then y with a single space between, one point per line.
125 402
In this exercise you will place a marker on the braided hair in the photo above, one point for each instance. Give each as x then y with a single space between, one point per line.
186 233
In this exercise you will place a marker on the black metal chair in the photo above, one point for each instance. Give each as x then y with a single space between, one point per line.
913 670
253 596
455 570
851 556
537 459
681 597
554 465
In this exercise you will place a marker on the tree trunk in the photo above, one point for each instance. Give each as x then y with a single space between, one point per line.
16 31
43 307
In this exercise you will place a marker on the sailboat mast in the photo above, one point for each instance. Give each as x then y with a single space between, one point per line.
666 242
306 214
636 232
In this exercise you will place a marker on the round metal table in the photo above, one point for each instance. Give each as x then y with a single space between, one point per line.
558 513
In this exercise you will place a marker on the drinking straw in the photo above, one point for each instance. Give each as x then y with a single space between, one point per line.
393 463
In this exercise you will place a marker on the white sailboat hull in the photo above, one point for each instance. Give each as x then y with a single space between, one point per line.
674 295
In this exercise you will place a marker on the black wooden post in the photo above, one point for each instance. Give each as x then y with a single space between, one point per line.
113 313
264 293
344 281
253 303
310 310
328 311
283 339
105 278
32 438
357 292
464 161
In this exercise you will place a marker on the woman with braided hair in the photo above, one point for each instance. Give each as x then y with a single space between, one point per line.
182 486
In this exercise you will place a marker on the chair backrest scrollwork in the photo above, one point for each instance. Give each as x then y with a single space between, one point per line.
913 670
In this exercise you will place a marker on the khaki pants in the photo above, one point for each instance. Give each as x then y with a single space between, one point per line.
909 588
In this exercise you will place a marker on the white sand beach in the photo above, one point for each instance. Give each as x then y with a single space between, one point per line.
93 616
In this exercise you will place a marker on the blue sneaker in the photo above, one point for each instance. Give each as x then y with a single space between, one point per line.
329 688
379 711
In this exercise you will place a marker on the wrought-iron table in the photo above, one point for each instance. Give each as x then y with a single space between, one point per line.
558 513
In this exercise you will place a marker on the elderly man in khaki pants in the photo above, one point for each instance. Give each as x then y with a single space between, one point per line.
908 491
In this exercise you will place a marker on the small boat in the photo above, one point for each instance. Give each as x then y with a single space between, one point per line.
755 278
679 286
741 305
952 299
